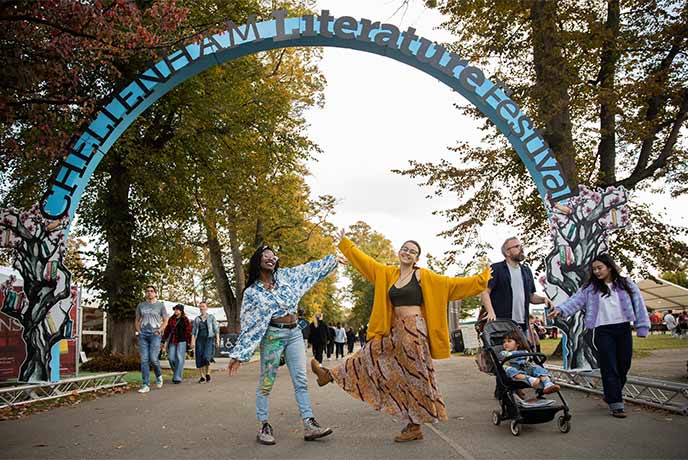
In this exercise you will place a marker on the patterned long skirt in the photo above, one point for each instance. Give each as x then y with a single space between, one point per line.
395 374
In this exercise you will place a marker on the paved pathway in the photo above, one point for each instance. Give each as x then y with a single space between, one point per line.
217 420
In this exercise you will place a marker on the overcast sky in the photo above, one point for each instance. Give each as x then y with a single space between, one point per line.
379 114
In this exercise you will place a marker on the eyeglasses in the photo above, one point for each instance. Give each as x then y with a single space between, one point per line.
515 247
413 252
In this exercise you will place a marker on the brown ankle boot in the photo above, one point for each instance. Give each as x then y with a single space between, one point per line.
412 432
323 374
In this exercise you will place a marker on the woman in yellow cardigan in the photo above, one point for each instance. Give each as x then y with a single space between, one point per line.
394 372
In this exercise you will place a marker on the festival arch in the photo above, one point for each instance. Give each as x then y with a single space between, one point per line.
579 219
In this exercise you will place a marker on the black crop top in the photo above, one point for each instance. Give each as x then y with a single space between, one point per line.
409 295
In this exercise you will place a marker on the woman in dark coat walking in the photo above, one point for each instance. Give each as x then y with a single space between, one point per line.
319 335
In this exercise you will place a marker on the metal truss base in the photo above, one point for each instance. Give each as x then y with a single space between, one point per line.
30 393
670 396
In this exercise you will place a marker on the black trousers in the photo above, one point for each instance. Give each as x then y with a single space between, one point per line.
318 349
340 349
614 345
330 349
351 346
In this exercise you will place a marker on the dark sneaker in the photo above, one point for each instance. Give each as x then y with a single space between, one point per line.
618 413
265 435
312 430
207 377
201 380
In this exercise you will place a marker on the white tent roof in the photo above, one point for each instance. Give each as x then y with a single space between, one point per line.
191 312
661 294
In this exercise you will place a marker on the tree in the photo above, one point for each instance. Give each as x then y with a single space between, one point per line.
680 278
606 81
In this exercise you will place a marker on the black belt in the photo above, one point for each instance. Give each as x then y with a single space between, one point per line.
283 325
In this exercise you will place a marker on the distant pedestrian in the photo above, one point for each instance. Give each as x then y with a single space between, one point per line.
318 336
350 339
178 331
362 335
205 336
150 322
330 342
339 340
671 323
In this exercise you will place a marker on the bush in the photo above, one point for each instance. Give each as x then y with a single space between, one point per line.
114 362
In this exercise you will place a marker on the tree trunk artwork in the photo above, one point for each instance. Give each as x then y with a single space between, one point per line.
38 248
579 227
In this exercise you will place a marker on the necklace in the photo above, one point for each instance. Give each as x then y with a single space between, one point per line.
406 277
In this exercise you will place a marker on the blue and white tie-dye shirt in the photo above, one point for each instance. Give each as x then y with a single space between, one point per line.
260 304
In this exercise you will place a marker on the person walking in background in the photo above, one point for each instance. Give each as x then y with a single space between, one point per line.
268 318
205 336
394 371
611 302
339 340
350 339
330 341
150 322
533 334
305 328
671 323
178 331
362 335
318 336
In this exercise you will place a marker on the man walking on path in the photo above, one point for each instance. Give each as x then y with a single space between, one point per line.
512 287
151 319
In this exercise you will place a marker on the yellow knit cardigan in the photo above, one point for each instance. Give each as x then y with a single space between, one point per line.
438 290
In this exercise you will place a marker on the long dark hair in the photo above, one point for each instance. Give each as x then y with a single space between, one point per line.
254 265
617 279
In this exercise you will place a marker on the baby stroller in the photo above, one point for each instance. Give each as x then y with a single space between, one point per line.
512 406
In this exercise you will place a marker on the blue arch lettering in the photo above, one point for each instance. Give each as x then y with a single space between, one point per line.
126 103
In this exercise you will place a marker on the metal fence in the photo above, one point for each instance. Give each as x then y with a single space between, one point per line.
30 393
670 396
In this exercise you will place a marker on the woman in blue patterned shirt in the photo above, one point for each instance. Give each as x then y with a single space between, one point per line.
268 318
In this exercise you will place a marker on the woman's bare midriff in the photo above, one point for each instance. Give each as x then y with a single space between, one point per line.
405 311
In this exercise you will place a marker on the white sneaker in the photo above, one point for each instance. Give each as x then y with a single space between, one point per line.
158 381
144 389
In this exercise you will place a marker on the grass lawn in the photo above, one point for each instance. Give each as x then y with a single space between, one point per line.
641 347
134 377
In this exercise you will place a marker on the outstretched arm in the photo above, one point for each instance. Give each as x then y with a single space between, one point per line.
359 259
467 286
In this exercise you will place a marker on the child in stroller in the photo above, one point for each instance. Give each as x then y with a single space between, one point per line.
512 406
519 367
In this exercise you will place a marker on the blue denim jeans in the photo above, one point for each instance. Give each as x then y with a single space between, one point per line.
149 349
176 354
274 343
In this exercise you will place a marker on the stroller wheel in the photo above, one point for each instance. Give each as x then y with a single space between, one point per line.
563 424
515 428
496 418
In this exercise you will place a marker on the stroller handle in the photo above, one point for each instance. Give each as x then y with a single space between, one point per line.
535 355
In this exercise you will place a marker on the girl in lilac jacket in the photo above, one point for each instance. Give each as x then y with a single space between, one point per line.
611 302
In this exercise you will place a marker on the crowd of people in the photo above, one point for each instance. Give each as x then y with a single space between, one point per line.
393 371
156 330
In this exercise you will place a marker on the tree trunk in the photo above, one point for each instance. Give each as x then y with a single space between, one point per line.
118 278
36 366
239 278
606 150
222 285
121 337
552 86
